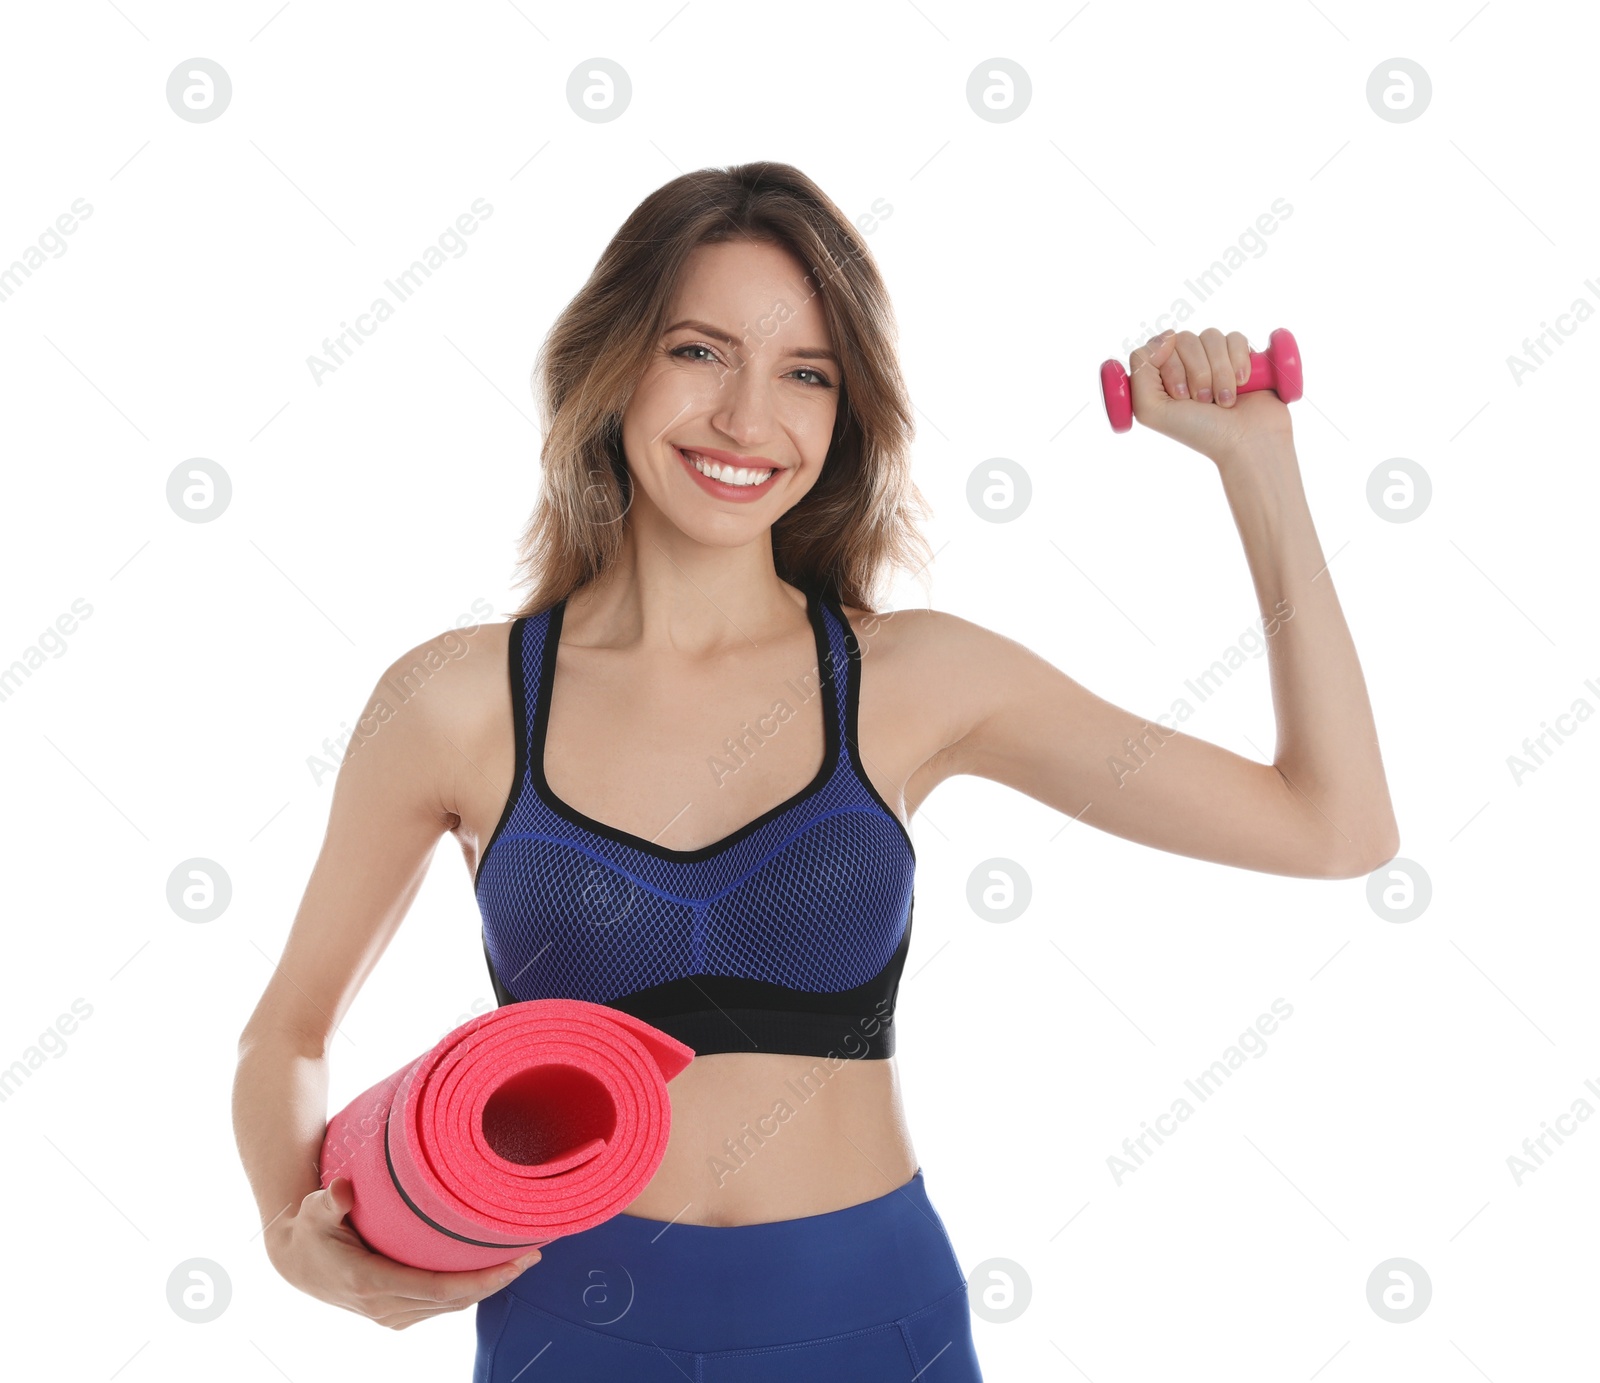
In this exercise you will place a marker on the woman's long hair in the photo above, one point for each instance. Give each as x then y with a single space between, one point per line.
860 516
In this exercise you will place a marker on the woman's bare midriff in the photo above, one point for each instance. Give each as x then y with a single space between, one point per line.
762 1136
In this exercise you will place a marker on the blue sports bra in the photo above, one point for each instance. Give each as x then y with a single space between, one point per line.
789 935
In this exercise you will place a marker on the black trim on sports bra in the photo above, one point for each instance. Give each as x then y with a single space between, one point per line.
730 1013
852 733
521 761
541 727
519 729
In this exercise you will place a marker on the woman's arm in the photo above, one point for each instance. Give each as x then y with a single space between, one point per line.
1321 809
1327 742
387 815
280 1102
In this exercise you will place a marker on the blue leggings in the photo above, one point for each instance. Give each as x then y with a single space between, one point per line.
868 1294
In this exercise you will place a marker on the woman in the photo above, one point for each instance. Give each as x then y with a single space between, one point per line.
681 794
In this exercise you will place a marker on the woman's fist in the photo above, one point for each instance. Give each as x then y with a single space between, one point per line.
1187 387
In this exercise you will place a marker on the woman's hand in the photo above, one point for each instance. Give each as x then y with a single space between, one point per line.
1186 387
323 1256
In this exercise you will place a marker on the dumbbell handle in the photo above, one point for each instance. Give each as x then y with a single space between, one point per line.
1276 368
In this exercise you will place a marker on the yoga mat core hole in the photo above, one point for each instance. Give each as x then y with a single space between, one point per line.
547 1113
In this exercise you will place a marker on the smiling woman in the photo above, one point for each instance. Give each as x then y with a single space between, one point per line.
713 274
717 484
725 485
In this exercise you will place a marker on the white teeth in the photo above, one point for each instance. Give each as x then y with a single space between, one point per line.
729 475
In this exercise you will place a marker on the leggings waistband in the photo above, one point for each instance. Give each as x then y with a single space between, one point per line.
676 1284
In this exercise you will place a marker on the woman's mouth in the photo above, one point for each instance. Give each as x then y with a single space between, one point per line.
724 481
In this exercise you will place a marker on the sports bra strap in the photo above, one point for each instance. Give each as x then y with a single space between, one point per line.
842 680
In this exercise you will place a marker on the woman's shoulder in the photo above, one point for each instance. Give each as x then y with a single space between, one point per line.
918 636
937 660
454 678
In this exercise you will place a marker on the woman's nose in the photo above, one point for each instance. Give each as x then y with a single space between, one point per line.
744 409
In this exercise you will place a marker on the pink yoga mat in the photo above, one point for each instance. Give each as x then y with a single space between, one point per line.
534 1121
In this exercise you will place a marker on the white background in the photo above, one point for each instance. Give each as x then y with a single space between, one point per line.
369 512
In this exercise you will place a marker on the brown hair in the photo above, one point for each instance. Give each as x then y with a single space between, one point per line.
856 520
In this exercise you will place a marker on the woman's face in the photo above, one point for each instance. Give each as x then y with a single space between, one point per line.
744 378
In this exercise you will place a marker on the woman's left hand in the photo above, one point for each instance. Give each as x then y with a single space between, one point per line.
1186 387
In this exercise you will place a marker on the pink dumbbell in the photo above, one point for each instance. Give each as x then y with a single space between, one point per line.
1276 368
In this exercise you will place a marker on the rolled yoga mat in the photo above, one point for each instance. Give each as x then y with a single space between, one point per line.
534 1121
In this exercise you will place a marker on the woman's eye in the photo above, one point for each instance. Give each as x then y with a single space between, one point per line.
694 346
821 379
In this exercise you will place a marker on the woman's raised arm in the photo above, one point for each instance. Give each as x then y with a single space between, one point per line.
1321 808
